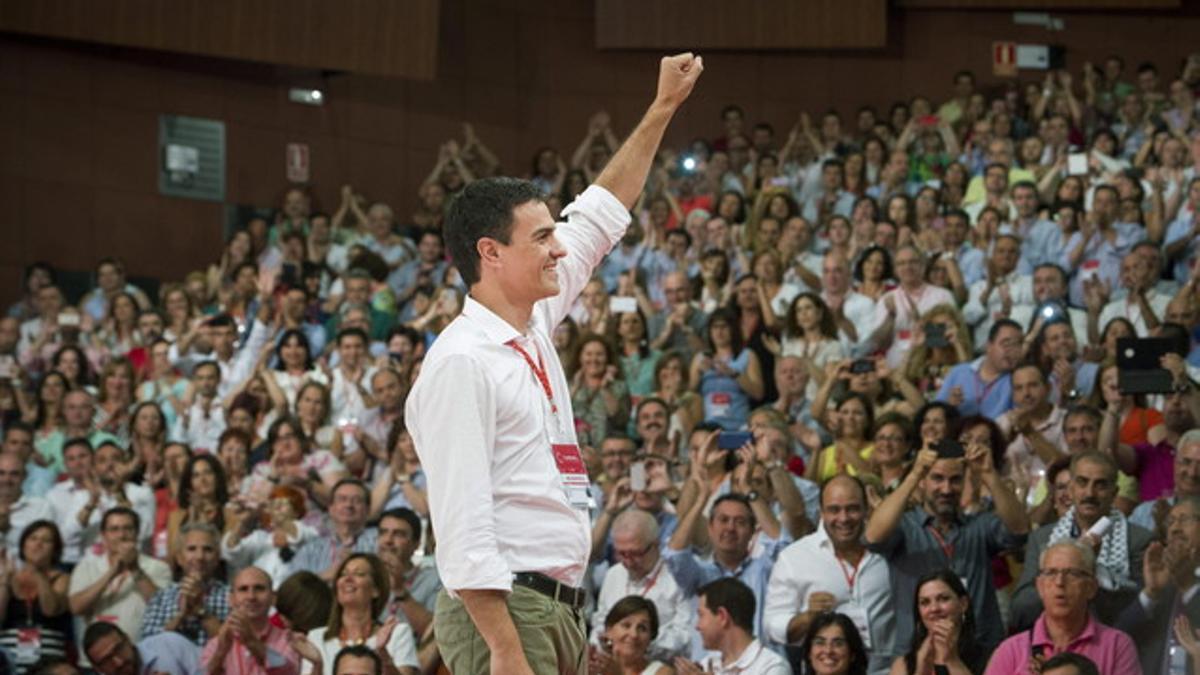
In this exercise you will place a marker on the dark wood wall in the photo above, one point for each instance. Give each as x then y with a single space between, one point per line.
78 149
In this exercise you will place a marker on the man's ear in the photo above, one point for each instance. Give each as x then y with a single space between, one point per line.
489 251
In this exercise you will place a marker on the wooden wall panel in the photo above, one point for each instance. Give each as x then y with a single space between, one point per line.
397 38
78 124
1091 5
762 24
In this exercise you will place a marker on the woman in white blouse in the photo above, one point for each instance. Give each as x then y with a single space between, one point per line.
361 591
810 333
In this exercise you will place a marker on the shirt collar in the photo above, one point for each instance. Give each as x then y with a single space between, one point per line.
747 657
1042 637
496 329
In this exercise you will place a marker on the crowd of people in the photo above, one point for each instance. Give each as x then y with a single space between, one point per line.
849 399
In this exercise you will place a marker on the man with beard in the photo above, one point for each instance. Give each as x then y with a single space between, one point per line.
196 605
1169 570
414 587
249 644
831 570
938 534
114 585
113 653
1034 425
105 487
1119 550
651 420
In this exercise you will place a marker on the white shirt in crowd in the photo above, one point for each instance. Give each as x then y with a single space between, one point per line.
481 425
676 612
21 513
68 499
1129 308
980 316
809 566
925 299
755 659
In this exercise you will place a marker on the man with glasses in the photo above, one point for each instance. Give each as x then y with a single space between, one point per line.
831 570
1186 470
899 312
1066 582
1118 550
115 584
111 652
348 511
641 570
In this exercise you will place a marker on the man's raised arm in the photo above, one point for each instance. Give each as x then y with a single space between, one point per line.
626 172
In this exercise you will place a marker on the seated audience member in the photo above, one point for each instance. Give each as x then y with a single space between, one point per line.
1066 582
831 570
1003 289
1118 573
303 602
75 499
270 544
202 419
984 386
19 509
1186 470
938 534
115 583
833 647
1168 603
725 621
349 533
642 571
111 652
361 591
944 624
107 487
1034 426
899 311
414 585
629 628
18 441
248 642
33 599
197 605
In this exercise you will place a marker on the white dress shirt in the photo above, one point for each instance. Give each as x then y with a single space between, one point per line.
200 427
20 514
925 299
69 499
755 659
481 425
809 566
1129 308
981 316
676 612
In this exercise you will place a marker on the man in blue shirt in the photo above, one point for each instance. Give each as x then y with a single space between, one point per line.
111 652
984 386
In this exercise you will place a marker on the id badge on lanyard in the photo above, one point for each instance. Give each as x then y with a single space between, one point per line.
572 471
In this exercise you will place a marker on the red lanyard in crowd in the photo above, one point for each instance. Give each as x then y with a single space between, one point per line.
849 571
947 547
539 372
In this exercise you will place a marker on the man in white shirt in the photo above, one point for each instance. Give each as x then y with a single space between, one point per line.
72 502
831 569
1143 305
490 414
203 421
1002 290
852 311
643 571
725 620
17 510
899 311
107 488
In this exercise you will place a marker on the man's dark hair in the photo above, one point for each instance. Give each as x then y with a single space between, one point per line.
352 332
120 511
98 631
1106 188
1024 184
52 664
1147 67
1115 57
734 497
1000 325
734 596
207 364
483 208
18 425
407 515
222 321
1082 664
1057 268
649 400
78 440
958 213
360 652
996 165
351 481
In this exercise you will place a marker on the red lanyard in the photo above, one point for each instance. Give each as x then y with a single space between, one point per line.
947 547
538 371
849 571
983 389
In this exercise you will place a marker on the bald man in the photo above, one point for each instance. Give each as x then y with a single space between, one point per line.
248 644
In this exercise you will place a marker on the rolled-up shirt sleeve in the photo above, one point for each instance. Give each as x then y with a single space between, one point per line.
593 224
453 428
